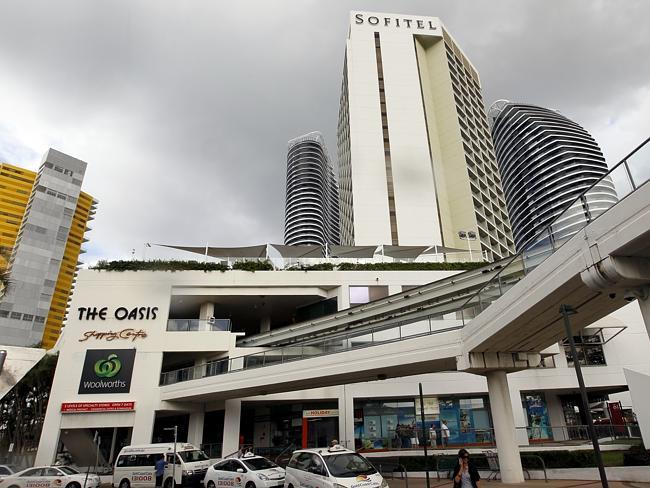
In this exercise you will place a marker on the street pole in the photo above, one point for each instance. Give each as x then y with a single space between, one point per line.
567 310
174 465
424 437
175 429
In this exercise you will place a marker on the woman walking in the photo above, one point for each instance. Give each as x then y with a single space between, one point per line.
465 474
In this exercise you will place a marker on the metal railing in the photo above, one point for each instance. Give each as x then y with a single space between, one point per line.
212 450
198 325
628 175
409 437
577 434
407 329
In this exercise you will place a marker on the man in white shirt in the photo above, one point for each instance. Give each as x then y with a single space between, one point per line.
444 430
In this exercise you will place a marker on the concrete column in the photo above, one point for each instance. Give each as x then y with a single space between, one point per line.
265 324
556 416
393 289
231 422
143 426
346 417
49 440
195 429
343 297
206 311
504 427
644 305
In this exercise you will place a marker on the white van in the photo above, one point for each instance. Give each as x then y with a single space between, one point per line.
135 466
335 467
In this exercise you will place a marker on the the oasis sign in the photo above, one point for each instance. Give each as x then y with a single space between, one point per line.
107 371
120 313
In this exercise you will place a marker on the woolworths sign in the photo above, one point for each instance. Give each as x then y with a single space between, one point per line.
107 371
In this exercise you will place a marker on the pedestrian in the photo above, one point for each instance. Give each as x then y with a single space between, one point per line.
433 436
444 430
465 473
160 469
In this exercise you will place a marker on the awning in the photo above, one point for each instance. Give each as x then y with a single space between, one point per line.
224 252
436 249
404 251
307 251
352 251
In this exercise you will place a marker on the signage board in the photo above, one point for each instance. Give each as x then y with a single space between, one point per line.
77 407
323 412
107 371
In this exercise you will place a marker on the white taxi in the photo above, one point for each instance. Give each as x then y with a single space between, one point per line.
50 477
249 471
336 467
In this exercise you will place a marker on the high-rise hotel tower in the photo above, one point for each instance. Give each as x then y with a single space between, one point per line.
43 219
312 203
416 162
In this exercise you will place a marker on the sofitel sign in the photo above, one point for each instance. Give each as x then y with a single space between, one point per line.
120 313
397 22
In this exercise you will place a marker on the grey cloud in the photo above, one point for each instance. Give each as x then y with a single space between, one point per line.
183 109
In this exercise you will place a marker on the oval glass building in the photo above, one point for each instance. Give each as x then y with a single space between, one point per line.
546 162
312 200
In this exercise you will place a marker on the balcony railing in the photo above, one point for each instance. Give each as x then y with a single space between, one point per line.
198 325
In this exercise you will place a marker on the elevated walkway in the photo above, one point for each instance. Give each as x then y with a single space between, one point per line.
508 312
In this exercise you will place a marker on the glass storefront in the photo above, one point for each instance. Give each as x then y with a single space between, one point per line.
468 420
384 423
537 419
396 423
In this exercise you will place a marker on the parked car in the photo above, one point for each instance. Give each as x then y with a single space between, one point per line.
6 470
249 471
336 467
50 477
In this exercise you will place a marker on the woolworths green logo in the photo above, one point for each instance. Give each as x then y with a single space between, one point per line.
109 367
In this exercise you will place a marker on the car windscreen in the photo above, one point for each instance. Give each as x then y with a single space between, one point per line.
193 456
68 470
256 464
348 465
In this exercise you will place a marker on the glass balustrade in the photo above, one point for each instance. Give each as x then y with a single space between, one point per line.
198 325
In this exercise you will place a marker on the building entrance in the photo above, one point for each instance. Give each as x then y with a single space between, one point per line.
319 427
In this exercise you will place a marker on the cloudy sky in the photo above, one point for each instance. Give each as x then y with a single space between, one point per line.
183 108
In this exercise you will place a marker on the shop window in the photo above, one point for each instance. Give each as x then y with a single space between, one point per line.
468 420
589 347
537 419
385 423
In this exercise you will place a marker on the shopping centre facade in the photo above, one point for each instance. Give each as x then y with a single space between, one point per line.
131 334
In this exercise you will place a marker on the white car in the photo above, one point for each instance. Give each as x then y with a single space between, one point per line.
50 477
336 467
6 470
249 471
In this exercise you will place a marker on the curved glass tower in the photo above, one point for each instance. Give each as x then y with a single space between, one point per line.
546 162
312 201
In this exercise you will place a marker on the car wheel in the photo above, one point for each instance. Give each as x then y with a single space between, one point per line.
168 483
210 484
250 484
125 484
14 486
73 485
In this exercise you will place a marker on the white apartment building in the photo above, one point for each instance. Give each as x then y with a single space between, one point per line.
416 162
131 336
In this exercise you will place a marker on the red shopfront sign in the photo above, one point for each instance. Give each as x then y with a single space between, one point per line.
78 407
